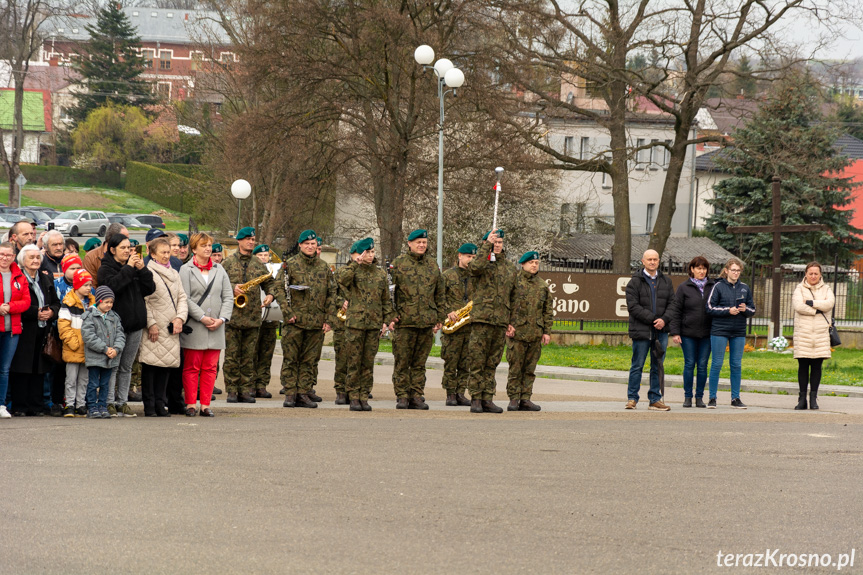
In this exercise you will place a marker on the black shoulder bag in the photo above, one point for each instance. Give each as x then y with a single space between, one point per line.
835 340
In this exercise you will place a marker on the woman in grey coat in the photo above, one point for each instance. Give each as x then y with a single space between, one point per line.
210 299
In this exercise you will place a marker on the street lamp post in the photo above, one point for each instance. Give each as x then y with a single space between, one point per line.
448 76
240 189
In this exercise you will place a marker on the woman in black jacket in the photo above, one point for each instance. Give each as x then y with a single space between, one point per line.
124 272
690 327
29 365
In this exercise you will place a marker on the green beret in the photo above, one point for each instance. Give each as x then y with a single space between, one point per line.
217 248
528 256
467 249
184 239
417 234
260 248
353 249
364 245
134 242
307 235
246 232
320 241
92 243
499 234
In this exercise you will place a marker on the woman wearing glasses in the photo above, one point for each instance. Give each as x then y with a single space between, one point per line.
730 303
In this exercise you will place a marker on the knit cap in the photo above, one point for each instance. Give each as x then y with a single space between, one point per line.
103 293
68 260
81 277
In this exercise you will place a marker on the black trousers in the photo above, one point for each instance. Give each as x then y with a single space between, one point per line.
809 372
154 383
176 403
28 391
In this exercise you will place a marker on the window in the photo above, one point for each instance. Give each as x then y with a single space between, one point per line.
583 148
163 90
641 156
648 225
568 144
666 155
654 154
165 59
606 181
149 56
226 57
197 59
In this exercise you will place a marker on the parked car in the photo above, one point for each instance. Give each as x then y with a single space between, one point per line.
80 222
49 211
152 221
36 215
132 224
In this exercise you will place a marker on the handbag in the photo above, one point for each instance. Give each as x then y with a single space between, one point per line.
187 329
835 340
53 349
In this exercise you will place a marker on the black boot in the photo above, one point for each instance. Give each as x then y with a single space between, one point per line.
263 393
451 400
365 405
315 397
462 400
355 405
513 405
528 405
232 397
801 396
341 398
488 406
246 398
290 400
304 400
475 406
402 403
417 403
813 396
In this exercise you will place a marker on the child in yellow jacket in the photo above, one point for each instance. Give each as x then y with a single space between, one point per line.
75 303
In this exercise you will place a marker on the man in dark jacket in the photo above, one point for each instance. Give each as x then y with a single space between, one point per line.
649 295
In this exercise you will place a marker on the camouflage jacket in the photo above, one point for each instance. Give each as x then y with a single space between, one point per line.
340 298
532 315
368 293
242 269
313 306
419 293
493 287
458 288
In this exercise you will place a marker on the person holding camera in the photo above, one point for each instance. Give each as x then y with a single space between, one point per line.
167 312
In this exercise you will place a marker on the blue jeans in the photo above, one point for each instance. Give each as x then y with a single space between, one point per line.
696 354
8 345
640 350
99 378
735 361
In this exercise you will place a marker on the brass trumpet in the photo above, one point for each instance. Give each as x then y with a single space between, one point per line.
241 300
463 319
342 314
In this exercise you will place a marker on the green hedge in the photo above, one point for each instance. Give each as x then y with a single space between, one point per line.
65 176
171 190
193 171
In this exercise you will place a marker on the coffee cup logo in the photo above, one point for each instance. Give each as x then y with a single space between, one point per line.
570 288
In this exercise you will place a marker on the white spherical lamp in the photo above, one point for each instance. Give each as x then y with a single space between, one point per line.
442 66
454 78
424 55
241 189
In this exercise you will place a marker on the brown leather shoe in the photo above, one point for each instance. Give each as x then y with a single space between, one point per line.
528 405
263 393
232 397
658 406
303 400
365 404
355 405
631 404
475 406
290 400
513 405
488 406
417 403
314 397
451 400
245 398
402 403
462 400
341 398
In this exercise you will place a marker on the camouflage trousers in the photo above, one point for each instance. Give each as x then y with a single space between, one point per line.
240 347
411 347
359 349
341 359
454 348
264 354
136 374
301 352
522 357
484 354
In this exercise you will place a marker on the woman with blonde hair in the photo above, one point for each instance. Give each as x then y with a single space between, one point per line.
813 310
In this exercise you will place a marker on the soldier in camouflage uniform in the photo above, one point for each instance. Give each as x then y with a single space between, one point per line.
529 329
339 336
312 395
419 306
266 345
308 315
454 345
241 333
366 288
493 291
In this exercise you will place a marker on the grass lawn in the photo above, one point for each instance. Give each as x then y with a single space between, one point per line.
622 327
844 368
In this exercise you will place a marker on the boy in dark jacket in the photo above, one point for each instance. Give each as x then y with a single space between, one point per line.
104 340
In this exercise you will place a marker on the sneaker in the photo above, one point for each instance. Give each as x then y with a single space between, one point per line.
699 402
687 402
112 411
69 411
738 404
631 404
126 411
81 411
94 414
4 414
56 410
103 413
658 406
712 403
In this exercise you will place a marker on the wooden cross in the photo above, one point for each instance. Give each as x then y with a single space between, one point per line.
777 229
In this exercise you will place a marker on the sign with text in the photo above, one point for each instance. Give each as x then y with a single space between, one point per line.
590 296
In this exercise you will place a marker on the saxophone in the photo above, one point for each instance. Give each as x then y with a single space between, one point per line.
463 319
241 300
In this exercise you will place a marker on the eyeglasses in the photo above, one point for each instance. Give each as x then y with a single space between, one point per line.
733 271
7 255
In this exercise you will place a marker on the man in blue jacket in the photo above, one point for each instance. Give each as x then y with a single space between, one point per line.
649 295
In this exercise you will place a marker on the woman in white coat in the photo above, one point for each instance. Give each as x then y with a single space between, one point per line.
166 314
211 301
813 310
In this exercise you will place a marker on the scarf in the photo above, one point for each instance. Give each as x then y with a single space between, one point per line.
204 268
700 284
40 296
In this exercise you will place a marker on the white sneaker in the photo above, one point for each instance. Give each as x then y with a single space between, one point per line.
3 413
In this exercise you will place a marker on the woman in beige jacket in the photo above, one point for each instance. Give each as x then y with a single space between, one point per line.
166 313
813 311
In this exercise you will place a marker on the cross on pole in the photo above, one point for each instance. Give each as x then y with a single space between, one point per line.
777 229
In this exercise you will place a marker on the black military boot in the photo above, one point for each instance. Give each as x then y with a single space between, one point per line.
282 391
528 405
488 406
315 397
417 403
232 397
217 391
355 405
290 400
365 404
263 393
813 396
451 400
246 398
462 400
341 398
304 400
371 396
402 403
475 406
513 405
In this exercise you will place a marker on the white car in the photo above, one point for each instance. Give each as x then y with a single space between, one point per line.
80 222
